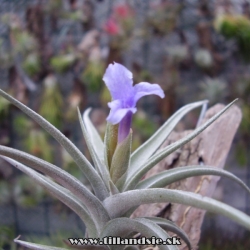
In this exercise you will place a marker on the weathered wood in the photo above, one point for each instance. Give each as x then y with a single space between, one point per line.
211 148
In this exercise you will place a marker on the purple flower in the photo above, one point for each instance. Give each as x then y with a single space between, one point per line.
125 96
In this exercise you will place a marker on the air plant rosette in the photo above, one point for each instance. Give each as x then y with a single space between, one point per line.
117 187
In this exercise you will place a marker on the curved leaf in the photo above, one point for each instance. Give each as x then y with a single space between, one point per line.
99 164
94 135
60 193
133 179
94 206
122 227
170 226
91 174
148 148
123 202
131 248
36 246
43 247
167 177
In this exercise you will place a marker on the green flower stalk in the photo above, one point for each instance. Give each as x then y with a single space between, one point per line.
116 177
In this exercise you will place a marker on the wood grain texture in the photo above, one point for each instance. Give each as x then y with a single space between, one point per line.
211 148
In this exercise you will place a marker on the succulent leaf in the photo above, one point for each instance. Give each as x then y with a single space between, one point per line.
133 178
94 206
124 226
60 193
131 248
113 189
147 149
167 177
94 135
170 226
100 166
119 204
88 170
36 246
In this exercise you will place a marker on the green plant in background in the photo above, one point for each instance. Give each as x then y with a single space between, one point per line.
237 27
61 63
203 58
26 196
5 56
51 101
37 143
6 237
162 17
22 41
213 89
116 185
92 75
4 106
32 64
5 192
142 126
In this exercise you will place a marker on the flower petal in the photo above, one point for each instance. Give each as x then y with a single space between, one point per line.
119 81
145 88
117 113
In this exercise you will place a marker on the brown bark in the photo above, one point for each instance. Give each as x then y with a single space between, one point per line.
211 147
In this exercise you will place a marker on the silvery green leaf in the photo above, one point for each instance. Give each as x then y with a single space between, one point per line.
167 177
113 189
140 155
119 204
99 164
110 142
60 193
94 205
88 170
121 158
36 246
131 248
133 179
94 135
170 226
122 227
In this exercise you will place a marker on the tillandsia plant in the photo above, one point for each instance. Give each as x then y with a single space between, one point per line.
116 177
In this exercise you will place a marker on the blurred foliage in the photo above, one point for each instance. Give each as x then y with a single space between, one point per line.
92 76
4 106
213 90
51 101
142 126
22 124
203 58
37 144
162 17
26 193
61 63
7 234
5 192
32 64
237 27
